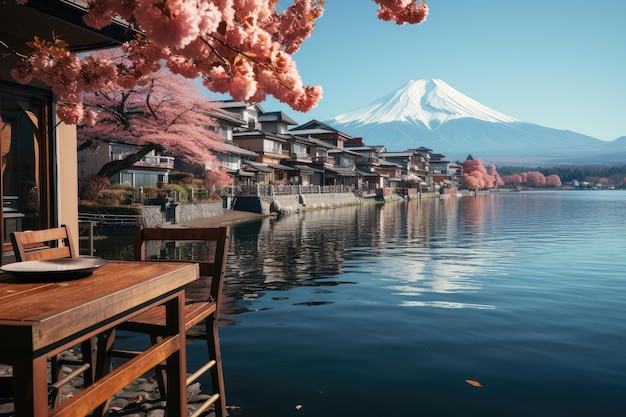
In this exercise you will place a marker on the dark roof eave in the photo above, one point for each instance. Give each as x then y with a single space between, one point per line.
72 13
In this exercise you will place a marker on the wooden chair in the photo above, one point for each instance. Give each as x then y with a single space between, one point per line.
39 245
208 247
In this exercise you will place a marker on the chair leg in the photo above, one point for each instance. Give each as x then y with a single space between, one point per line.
103 365
88 348
56 374
160 371
217 376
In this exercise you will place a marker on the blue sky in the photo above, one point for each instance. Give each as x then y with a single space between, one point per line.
556 63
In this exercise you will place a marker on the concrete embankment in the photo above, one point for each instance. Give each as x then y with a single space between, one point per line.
250 208
293 203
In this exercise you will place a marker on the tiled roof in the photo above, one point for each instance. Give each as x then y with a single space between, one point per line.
276 116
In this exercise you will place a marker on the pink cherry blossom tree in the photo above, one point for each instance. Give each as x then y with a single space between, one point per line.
553 181
167 113
476 176
534 179
241 47
514 179
472 182
497 180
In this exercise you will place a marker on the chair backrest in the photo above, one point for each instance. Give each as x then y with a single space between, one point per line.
207 246
38 245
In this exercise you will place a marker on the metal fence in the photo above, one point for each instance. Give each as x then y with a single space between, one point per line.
264 190
109 219
143 194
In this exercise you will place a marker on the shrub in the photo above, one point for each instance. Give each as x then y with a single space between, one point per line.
89 187
115 197
180 177
118 186
182 192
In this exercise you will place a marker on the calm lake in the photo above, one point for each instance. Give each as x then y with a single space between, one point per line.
405 308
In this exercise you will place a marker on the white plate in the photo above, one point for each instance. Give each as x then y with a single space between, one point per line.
83 265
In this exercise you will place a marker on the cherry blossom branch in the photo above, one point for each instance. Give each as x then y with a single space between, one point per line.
252 40
13 51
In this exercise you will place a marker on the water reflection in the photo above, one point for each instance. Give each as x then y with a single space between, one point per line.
279 254
416 249
422 251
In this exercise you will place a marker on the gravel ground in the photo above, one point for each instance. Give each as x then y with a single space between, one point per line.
139 399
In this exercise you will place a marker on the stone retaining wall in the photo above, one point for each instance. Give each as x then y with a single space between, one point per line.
158 215
303 202
293 203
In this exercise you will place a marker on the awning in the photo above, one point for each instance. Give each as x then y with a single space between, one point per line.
281 167
411 177
259 166
345 172
307 169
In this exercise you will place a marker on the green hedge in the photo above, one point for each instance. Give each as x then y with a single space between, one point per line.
102 209
182 177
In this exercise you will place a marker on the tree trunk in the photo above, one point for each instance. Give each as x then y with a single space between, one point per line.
114 167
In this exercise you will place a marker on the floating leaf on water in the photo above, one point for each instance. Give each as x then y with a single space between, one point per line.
299 406
473 383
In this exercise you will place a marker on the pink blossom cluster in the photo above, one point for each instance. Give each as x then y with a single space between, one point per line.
216 178
402 11
240 47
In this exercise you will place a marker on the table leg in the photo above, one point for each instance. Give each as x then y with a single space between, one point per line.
30 387
176 364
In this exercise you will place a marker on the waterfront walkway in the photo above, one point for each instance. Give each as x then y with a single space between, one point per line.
228 218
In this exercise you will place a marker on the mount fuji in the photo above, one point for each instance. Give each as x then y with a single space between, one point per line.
430 113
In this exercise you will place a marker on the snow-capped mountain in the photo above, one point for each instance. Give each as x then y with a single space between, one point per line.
430 113
429 103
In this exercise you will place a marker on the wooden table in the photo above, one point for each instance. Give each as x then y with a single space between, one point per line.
41 319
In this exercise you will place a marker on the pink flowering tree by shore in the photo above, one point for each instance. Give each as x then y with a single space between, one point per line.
553 181
167 114
532 179
242 48
477 177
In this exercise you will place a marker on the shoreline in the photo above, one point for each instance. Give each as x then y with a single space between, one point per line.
227 218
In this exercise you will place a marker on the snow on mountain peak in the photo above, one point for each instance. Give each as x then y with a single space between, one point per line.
429 103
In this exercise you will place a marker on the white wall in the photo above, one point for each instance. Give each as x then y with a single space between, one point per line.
67 177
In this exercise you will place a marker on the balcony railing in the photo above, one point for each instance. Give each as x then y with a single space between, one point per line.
149 160
263 190
300 156
325 160
369 159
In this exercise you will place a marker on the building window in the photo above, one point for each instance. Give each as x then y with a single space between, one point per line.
272 147
26 166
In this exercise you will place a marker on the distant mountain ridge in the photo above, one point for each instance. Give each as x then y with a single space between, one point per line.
431 113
